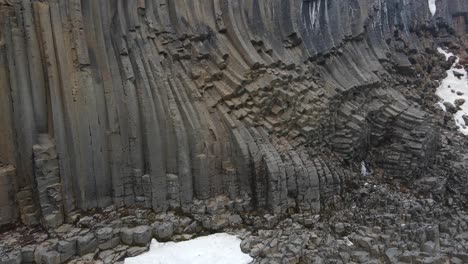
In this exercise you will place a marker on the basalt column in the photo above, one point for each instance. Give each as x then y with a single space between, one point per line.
159 103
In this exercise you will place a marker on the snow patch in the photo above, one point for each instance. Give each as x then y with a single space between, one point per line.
348 242
442 106
432 6
445 53
364 171
214 249
453 88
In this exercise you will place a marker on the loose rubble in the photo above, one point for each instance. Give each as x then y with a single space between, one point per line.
373 222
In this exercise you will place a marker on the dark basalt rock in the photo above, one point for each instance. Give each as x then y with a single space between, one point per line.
264 108
450 107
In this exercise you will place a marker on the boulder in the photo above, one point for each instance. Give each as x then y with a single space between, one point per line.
135 251
360 256
162 230
86 222
141 235
235 220
459 102
67 249
27 253
111 243
126 235
86 244
450 107
51 257
104 234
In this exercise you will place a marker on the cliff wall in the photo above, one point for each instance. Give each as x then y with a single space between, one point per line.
157 103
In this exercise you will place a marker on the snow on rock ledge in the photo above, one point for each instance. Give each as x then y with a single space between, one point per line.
214 249
432 6
454 90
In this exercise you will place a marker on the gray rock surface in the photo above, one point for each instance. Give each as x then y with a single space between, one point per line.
239 107
309 128
162 230
142 235
126 235
86 244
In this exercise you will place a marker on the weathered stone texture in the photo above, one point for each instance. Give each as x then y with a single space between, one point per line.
159 103
8 209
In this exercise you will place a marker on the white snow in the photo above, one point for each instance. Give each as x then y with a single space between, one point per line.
445 53
364 171
219 248
457 85
432 6
348 242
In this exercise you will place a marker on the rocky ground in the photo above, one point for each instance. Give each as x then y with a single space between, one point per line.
373 222
383 224
111 235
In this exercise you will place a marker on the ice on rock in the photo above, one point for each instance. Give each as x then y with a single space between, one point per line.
453 88
348 242
364 170
445 53
214 249
441 104
432 6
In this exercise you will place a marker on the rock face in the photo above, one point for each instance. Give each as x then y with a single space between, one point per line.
156 103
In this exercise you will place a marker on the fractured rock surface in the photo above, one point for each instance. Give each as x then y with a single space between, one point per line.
258 107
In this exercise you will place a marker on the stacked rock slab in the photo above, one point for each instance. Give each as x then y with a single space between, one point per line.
157 103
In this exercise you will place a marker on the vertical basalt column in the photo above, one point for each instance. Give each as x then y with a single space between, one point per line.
52 44
151 132
156 103
62 111
8 210
22 115
460 23
38 87
131 122
110 89
103 138
7 134
91 152
48 184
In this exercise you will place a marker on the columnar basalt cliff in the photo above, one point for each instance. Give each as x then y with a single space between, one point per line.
276 104
265 100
